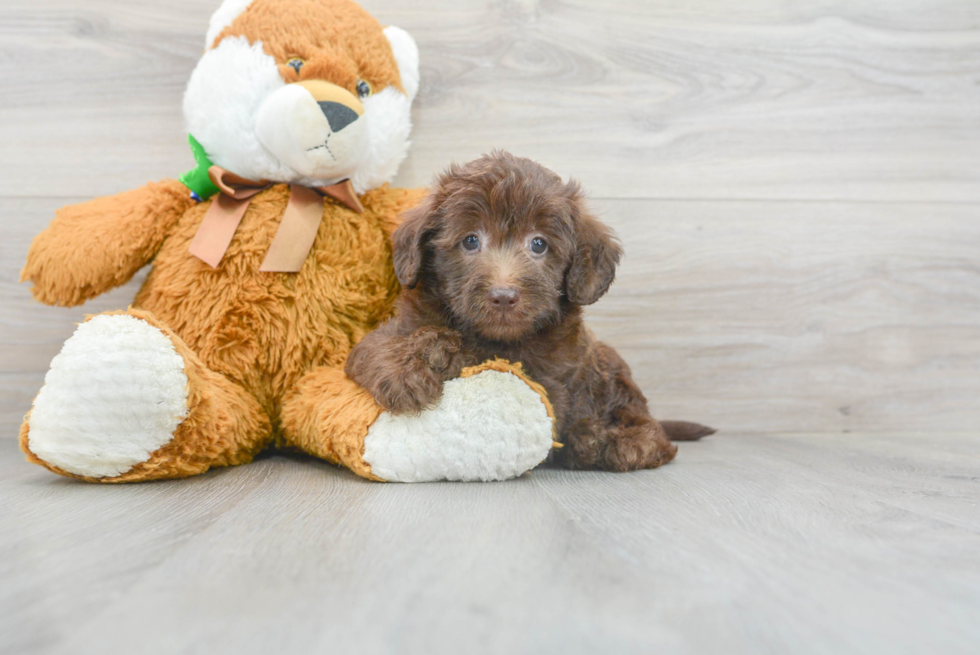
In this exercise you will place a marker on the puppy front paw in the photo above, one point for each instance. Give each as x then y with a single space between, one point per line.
439 350
405 373
411 391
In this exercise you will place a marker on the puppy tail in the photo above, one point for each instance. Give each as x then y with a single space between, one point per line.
685 431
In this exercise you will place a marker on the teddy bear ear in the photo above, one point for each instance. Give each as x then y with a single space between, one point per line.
222 17
407 55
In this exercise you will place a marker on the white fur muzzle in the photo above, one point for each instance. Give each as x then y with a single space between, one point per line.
293 128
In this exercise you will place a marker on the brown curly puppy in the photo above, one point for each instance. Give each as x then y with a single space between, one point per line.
498 262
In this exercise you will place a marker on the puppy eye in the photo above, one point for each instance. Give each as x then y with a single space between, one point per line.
296 63
538 246
471 242
363 88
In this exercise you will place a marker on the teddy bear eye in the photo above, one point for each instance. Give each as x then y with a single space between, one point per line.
471 242
363 88
538 245
296 63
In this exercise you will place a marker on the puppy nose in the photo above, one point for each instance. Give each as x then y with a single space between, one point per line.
504 296
339 116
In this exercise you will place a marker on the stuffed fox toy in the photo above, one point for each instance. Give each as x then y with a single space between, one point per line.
270 260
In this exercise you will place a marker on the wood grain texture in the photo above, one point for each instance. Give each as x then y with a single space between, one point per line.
792 100
746 544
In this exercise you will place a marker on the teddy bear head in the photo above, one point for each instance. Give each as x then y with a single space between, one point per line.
307 92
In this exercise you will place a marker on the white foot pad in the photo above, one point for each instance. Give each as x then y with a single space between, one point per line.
115 393
490 426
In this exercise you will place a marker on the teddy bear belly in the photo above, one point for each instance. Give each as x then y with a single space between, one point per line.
265 330
266 336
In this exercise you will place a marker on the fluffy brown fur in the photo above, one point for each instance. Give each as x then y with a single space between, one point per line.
476 289
342 44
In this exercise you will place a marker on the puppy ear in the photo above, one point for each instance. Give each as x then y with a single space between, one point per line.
597 253
409 242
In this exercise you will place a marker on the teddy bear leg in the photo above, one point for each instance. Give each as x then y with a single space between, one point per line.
328 416
127 400
492 423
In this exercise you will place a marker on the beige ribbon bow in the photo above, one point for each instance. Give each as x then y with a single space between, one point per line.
296 232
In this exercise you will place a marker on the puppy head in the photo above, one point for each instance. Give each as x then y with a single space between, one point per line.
303 91
503 243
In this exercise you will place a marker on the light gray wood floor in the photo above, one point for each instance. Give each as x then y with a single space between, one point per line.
747 544
798 187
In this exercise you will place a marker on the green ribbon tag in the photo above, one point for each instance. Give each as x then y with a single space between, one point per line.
197 179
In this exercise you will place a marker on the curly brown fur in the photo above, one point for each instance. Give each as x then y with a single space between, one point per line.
474 289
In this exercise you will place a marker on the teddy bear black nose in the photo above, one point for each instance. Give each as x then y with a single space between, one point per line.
339 116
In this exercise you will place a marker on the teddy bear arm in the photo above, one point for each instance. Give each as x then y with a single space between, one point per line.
97 245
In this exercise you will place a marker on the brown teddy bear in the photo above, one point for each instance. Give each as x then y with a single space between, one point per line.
270 261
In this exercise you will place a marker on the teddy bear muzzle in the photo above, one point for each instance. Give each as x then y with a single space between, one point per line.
315 127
